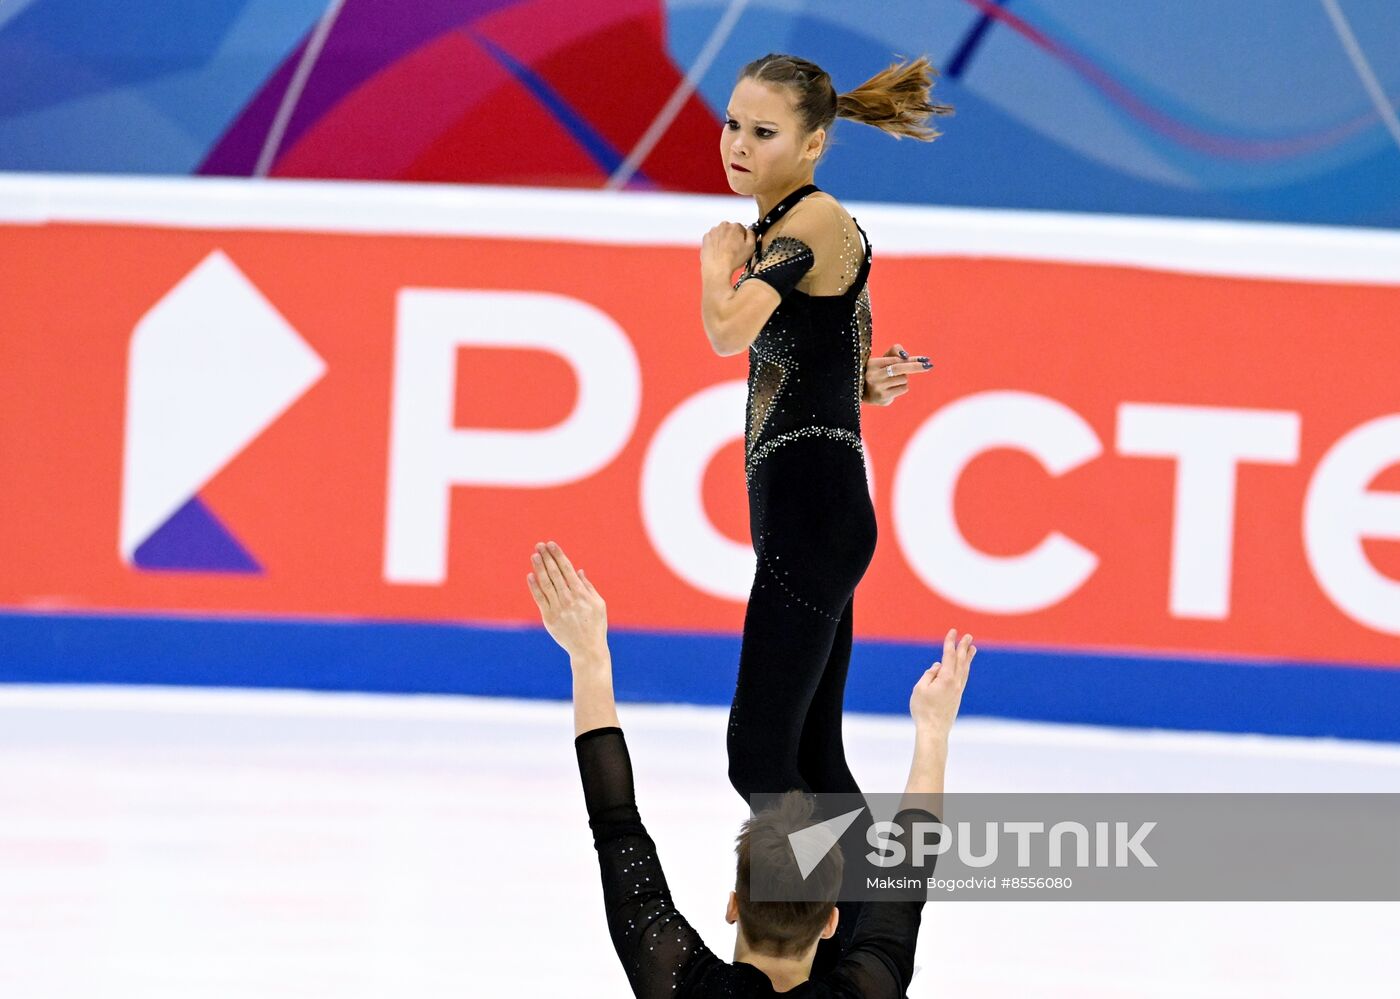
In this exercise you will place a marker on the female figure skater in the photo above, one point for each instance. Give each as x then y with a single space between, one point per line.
802 311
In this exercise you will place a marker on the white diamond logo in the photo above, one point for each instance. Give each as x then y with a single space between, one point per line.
212 365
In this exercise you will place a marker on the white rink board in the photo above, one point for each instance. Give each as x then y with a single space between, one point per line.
1193 246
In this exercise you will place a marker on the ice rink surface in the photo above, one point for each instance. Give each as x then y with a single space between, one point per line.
192 843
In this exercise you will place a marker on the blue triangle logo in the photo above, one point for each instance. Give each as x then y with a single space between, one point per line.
193 540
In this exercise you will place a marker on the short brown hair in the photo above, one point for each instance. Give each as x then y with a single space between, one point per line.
894 100
783 929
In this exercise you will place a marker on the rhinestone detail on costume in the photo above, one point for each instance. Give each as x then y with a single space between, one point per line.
806 367
786 347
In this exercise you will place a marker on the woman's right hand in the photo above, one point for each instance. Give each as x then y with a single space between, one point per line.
726 247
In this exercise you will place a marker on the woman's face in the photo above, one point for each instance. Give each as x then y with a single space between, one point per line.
762 144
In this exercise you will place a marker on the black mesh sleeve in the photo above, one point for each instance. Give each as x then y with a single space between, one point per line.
784 262
656 945
880 960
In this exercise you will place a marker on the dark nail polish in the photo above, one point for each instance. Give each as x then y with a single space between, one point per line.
904 354
927 365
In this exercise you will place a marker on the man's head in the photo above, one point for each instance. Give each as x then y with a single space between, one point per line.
783 929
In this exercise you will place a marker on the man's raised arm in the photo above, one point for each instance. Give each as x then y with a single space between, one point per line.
933 704
658 948
577 618
879 963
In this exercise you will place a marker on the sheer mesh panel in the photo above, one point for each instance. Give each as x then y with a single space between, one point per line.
830 233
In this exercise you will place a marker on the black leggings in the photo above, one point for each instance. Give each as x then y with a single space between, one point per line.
813 529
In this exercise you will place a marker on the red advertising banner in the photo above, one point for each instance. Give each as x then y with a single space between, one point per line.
374 421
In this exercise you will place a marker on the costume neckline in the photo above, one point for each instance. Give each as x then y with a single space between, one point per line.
780 209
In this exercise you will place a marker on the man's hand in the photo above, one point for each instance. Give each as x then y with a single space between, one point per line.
935 699
571 609
887 376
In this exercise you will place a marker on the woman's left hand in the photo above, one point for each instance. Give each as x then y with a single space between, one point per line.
887 376
727 246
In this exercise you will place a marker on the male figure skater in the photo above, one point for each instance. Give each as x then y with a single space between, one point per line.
774 941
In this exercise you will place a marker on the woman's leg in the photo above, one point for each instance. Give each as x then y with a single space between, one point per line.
785 651
822 759
821 754
813 528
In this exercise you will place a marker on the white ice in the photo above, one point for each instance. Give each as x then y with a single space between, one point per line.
179 843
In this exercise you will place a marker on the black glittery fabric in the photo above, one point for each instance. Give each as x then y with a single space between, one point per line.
810 516
659 949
